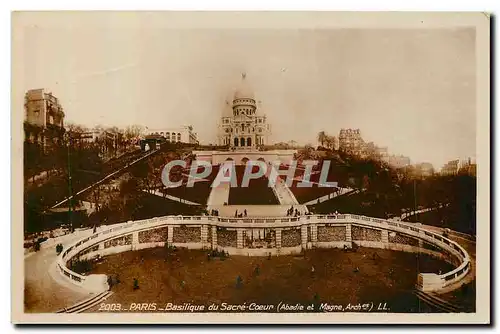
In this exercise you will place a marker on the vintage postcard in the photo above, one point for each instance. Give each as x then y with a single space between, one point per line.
232 167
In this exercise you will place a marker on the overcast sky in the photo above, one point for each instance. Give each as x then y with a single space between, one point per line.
410 90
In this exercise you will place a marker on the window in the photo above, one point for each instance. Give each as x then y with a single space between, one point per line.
235 141
242 141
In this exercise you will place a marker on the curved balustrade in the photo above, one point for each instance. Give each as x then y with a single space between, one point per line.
126 237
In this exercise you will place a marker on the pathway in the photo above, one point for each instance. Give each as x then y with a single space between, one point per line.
173 198
44 290
333 194
219 195
108 177
283 193
416 212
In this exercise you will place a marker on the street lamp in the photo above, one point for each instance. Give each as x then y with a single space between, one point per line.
70 189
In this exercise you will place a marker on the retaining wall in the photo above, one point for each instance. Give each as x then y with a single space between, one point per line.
286 235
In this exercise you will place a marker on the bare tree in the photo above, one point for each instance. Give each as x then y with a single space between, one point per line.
75 128
133 131
322 136
97 197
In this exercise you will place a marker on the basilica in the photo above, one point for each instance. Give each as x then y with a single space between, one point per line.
242 126
244 131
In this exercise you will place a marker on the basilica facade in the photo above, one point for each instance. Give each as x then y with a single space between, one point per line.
242 126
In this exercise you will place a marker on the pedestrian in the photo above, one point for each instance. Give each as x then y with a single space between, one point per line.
239 282
110 282
136 284
236 214
316 302
245 212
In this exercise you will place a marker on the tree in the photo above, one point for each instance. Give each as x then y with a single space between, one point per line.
330 142
75 128
322 136
333 142
97 197
133 131
306 153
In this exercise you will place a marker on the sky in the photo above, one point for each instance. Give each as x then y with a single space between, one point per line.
412 90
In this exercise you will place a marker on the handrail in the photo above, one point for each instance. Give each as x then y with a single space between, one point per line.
261 222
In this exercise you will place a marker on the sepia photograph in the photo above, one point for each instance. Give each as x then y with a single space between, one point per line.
232 167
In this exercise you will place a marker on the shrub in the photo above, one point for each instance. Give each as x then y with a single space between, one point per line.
81 266
42 239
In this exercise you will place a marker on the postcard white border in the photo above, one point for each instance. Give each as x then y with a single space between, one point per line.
281 20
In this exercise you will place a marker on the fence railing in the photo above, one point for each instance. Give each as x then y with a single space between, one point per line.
270 222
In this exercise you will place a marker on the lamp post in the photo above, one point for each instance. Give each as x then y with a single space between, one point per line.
415 198
70 189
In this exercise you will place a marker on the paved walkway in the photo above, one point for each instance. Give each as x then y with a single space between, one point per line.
412 213
469 246
333 194
173 198
108 177
219 195
260 211
283 193
44 289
